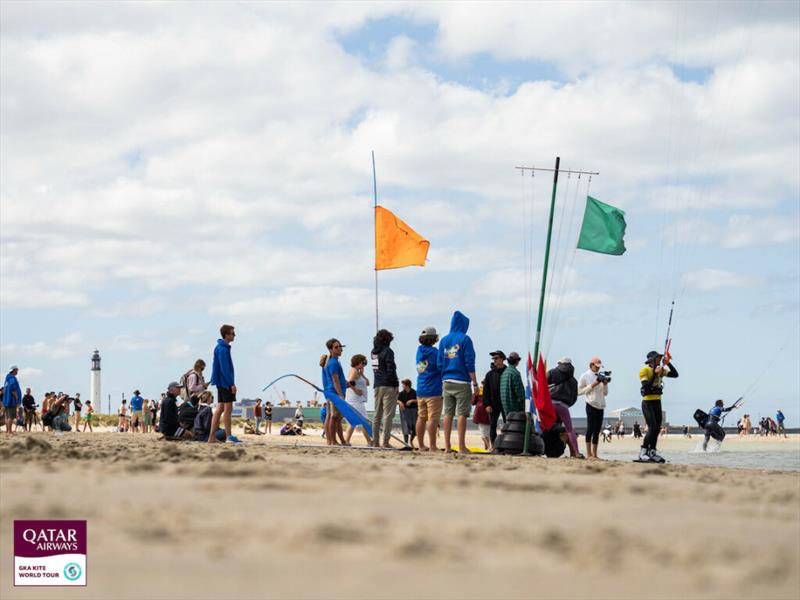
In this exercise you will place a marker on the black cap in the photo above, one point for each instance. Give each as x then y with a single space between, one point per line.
652 355
499 353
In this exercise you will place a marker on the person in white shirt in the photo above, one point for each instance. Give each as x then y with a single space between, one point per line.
595 388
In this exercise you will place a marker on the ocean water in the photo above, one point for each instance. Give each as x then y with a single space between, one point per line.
761 456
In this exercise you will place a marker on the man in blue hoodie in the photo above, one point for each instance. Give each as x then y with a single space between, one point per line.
222 377
457 357
429 388
12 397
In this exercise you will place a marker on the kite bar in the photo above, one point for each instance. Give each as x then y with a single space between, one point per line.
560 170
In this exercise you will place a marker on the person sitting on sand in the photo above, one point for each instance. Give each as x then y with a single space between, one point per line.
60 414
712 426
169 422
291 429
186 416
248 427
202 422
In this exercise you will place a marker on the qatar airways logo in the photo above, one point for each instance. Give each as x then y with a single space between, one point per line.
48 553
61 540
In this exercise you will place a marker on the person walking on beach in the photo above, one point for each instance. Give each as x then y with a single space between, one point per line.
512 390
356 394
429 389
12 397
222 376
564 392
136 411
492 400
385 384
779 418
87 422
457 357
28 410
333 382
123 412
595 391
651 377
407 398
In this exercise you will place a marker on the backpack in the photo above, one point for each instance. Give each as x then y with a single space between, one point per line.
184 381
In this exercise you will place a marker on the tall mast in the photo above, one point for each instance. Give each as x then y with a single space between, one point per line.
375 230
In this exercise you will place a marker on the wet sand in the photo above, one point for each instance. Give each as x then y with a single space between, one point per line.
186 520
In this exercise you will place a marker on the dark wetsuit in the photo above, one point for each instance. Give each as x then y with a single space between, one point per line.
712 426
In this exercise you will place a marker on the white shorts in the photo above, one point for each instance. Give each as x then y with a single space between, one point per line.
484 430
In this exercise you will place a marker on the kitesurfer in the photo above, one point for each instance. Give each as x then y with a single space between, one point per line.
712 426
651 377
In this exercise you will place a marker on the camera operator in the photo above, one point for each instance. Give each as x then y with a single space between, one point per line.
594 385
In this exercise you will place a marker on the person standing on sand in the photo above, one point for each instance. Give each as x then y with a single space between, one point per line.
429 389
123 411
407 399
258 412
136 411
457 357
87 422
385 384
195 382
492 401
268 417
595 392
357 393
78 406
29 409
12 397
512 390
298 414
222 376
147 416
651 377
780 427
333 382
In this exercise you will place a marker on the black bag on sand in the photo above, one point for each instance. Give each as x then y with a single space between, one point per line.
554 446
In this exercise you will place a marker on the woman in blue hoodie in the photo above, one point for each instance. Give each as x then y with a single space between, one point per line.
429 389
457 356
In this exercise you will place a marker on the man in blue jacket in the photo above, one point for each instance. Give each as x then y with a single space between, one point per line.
222 377
429 389
457 356
12 397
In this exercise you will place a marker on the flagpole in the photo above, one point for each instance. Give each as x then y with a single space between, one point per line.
375 230
526 443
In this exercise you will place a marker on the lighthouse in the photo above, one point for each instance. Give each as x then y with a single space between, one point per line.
94 381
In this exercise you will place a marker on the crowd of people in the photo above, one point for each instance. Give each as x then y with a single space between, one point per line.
447 393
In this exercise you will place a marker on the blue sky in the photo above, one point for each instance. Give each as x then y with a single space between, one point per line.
167 170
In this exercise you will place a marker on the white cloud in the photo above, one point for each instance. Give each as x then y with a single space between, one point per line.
710 280
26 373
284 348
738 231
62 347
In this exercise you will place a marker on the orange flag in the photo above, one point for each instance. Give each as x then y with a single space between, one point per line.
396 244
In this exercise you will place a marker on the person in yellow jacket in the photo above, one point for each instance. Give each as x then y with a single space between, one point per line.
651 377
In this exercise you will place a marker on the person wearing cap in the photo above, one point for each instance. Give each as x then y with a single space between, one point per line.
386 384
333 382
512 390
12 397
595 392
222 376
564 393
457 357
429 389
168 423
137 402
492 401
651 377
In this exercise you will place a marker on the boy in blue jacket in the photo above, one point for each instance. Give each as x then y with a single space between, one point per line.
457 357
429 389
222 377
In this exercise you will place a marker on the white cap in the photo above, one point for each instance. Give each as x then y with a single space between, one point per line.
565 361
12 368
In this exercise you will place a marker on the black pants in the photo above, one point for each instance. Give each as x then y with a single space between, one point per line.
594 424
652 416
494 417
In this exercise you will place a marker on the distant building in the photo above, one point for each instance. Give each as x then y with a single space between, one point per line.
94 381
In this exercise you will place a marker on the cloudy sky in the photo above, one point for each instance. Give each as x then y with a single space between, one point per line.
166 168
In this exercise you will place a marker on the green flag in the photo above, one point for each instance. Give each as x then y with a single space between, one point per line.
603 228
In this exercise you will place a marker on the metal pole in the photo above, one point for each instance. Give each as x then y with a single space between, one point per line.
375 229
541 298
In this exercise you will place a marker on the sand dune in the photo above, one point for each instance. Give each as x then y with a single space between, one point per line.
170 520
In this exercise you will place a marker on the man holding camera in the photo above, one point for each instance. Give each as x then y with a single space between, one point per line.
594 385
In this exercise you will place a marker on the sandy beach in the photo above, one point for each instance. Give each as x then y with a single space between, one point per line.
266 519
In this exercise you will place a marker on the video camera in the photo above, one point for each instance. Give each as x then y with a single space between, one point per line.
603 376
